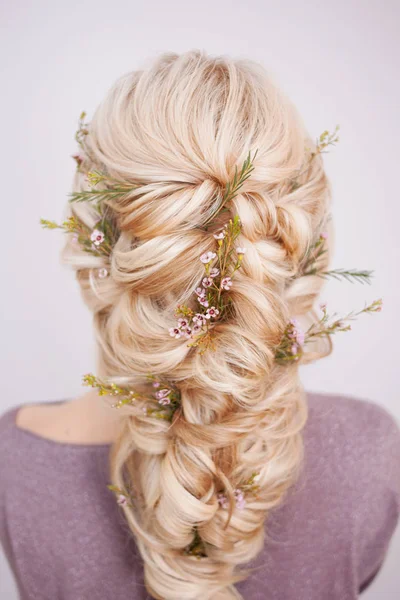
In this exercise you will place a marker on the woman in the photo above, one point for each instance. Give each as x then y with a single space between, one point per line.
198 232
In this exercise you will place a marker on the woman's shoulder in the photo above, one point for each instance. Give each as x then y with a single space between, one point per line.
349 414
337 418
353 443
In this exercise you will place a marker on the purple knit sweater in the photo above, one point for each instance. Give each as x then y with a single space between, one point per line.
66 539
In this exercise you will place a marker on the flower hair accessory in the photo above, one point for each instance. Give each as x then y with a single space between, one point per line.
161 402
98 241
213 302
122 497
291 347
239 493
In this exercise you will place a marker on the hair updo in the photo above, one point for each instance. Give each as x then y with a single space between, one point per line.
176 132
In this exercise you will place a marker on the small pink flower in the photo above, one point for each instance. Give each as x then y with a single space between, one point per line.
174 332
156 384
241 251
214 272
187 332
165 401
223 501
102 273
239 497
162 393
323 306
207 281
220 235
323 235
201 292
199 319
196 328
207 257
164 396
79 158
97 237
296 333
182 323
226 283
203 302
122 500
212 313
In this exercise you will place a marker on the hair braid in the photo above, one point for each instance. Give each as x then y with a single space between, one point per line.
175 132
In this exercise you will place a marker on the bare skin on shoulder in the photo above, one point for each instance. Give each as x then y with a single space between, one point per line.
86 419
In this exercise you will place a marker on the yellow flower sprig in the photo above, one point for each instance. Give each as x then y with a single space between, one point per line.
239 493
83 129
197 547
98 241
80 135
161 404
325 139
125 396
322 142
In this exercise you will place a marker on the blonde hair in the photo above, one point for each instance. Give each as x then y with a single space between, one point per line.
176 131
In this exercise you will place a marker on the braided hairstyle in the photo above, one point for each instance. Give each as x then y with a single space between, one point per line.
175 132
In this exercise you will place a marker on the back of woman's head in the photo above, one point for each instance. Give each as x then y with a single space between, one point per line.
174 135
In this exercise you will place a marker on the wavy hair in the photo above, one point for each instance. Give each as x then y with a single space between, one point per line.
176 131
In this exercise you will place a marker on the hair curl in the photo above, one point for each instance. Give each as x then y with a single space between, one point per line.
175 132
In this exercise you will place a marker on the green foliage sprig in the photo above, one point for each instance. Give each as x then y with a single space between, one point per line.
197 547
232 187
350 275
292 343
310 265
114 189
161 403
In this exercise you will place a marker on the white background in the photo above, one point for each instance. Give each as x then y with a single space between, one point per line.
339 63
